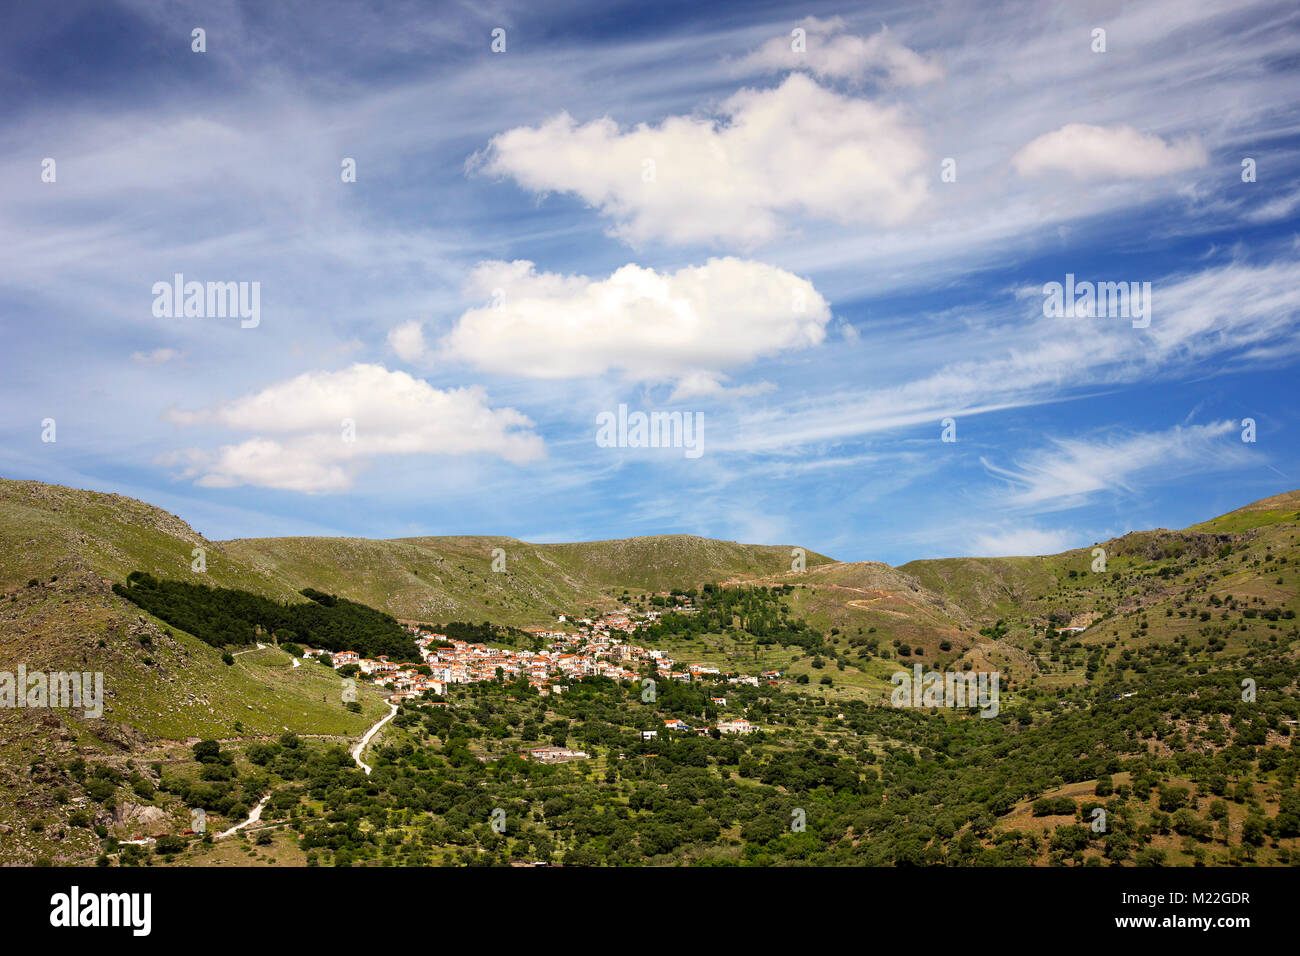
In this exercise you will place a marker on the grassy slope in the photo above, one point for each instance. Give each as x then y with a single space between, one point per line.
854 599
1163 592
451 578
926 603
1267 511
51 530
160 685
162 689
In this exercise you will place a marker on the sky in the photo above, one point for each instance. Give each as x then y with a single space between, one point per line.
825 235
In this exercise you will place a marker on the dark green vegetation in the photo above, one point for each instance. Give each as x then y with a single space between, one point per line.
1187 773
485 633
755 614
228 616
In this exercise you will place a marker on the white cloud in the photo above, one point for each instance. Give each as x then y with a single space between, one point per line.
1224 318
289 466
156 357
1068 472
830 52
686 326
709 385
1279 208
407 341
393 414
1014 541
692 179
1101 152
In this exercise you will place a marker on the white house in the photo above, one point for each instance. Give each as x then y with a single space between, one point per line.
738 726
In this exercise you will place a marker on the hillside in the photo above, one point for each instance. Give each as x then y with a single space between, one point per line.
161 689
50 530
946 612
452 578
60 551
1267 511
1009 614
1160 635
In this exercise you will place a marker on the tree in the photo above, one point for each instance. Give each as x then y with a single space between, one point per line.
169 844
207 750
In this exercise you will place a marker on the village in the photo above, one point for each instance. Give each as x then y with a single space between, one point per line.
597 647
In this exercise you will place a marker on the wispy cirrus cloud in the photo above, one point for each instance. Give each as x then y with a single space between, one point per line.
1231 315
226 166
1069 472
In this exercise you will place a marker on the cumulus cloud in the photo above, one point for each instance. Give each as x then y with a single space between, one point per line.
733 178
687 326
1108 152
831 53
329 424
291 466
407 341
1068 472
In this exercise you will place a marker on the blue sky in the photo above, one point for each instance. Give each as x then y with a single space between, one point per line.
737 210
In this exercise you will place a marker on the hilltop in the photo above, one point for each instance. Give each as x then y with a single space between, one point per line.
51 530
452 578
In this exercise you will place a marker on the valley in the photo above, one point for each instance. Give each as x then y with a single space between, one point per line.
1161 690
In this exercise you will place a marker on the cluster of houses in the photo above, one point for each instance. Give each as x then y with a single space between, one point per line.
405 680
593 648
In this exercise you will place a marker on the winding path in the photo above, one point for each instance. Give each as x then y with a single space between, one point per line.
253 817
361 744
256 813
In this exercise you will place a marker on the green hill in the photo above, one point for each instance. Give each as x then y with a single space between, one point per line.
452 578
53 530
60 552
62 549
1267 511
1067 633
